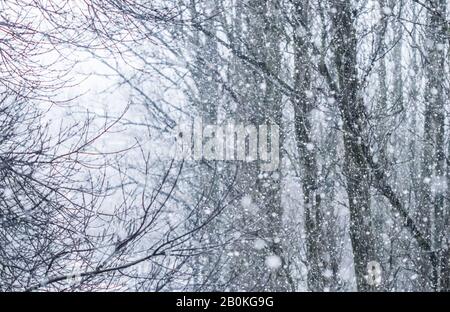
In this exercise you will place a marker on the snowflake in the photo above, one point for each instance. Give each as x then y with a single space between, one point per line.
273 262
259 244
309 94
327 273
387 10
246 201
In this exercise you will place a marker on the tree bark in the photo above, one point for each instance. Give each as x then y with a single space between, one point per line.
356 169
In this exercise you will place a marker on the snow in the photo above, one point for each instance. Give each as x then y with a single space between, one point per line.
387 10
309 94
208 217
259 244
275 176
208 211
246 202
440 47
273 262
327 273
438 184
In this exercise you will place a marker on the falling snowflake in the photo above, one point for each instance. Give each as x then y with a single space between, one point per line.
273 262
309 94
259 244
246 201
327 273
387 10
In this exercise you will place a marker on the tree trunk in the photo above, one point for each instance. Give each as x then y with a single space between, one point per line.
354 127
305 147
432 215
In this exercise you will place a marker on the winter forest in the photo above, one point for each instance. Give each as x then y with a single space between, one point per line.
224 145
